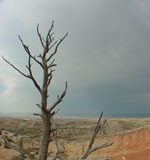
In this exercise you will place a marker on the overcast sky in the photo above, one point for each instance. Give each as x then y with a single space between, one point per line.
105 58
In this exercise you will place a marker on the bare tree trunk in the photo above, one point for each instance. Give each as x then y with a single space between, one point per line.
45 138
45 115
46 127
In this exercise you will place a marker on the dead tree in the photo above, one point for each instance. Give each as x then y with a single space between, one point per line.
47 64
92 148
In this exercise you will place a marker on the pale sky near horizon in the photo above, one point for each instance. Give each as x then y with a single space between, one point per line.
105 58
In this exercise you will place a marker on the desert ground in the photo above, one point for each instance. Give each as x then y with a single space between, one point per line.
130 137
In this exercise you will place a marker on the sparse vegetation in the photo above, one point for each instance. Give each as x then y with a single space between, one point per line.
79 134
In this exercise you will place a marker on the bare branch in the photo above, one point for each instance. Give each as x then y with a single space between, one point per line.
56 48
48 40
36 114
90 148
26 48
48 81
31 75
55 112
59 99
101 146
40 37
97 129
49 32
44 40
18 70
95 149
52 64
36 84
47 84
53 45
38 105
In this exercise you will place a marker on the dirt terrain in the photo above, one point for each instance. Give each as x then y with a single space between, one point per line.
130 137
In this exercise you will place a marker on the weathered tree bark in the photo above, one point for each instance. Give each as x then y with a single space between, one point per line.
45 115
45 138
46 62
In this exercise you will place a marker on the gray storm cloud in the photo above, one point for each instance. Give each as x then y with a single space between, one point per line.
105 58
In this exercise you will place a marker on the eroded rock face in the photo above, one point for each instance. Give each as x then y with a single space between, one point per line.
132 145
